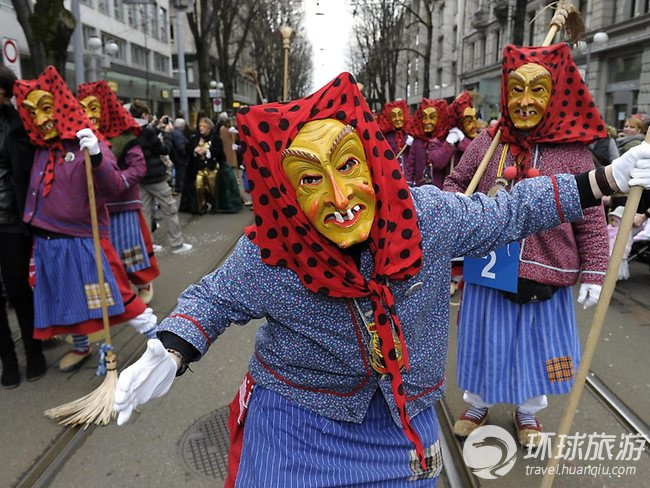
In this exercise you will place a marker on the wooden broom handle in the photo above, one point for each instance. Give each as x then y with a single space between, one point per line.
495 142
98 253
597 323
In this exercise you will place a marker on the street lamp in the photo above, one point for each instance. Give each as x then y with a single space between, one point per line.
439 88
599 38
217 86
97 58
286 32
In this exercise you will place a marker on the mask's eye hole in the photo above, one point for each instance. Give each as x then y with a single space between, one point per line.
348 165
310 180
517 89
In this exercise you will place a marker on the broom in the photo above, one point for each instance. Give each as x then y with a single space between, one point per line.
566 16
96 407
597 323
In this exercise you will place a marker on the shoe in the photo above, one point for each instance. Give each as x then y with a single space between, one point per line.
146 293
248 203
529 429
157 248
185 247
36 366
470 420
10 374
72 360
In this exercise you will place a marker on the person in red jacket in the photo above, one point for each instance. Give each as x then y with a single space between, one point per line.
519 347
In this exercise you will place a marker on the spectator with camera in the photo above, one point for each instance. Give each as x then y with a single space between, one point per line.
154 186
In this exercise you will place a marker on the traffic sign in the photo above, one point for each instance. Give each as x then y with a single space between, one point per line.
11 55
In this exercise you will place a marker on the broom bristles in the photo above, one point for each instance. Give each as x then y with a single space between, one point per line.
96 407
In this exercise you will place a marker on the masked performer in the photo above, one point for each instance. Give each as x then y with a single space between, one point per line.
431 151
534 350
463 122
350 271
130 234
393 121
66 295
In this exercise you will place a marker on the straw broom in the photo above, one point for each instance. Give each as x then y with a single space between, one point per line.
566 16
96 407
597 324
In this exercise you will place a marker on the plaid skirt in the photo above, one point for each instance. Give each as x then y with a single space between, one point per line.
66 290
509 353
127 239
287 446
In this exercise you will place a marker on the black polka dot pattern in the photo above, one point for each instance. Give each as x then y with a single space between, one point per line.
570 96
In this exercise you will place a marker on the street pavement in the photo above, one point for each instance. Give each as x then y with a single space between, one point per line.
143 452
148 450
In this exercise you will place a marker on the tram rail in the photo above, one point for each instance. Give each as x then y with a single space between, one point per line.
455 474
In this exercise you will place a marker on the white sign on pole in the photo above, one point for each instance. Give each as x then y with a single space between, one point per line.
11 55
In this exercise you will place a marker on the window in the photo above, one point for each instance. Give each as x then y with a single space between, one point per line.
439 76
483 58
102 6
497 46
415 87
441 41
189 71
155 20
163 24
131 16
87 33
139 56
455 38
121 43
118 10
624 68
470 56
454 71
160 63
408 90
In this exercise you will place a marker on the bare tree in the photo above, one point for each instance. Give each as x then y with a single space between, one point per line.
267 53
48 28
424 17
232 26
201 20
519 22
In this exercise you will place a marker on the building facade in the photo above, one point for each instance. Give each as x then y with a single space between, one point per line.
469 36
140 68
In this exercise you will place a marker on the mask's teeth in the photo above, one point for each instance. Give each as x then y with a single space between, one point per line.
356 208
338 217
350 214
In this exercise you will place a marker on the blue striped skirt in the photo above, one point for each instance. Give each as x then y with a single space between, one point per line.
127 240
66 290
287 446
508 353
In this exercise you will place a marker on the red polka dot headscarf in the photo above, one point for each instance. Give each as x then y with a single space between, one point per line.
571 115
115 119
442 127
286 237
69 117
385 124
457 107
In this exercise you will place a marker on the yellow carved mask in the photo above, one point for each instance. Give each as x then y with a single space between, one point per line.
397 117
40 104
429 119
469 122
93 109
327 167
529 92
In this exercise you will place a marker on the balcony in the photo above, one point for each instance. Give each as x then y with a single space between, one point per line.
481 19
501 8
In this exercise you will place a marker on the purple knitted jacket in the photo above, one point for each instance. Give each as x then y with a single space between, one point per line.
561 255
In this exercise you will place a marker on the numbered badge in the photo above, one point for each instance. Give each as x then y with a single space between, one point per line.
499 269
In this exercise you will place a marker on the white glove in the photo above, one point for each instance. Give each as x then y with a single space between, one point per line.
233 130
149 377
455 135
88 140
633 168
145 323
235 147
409 140
588 295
